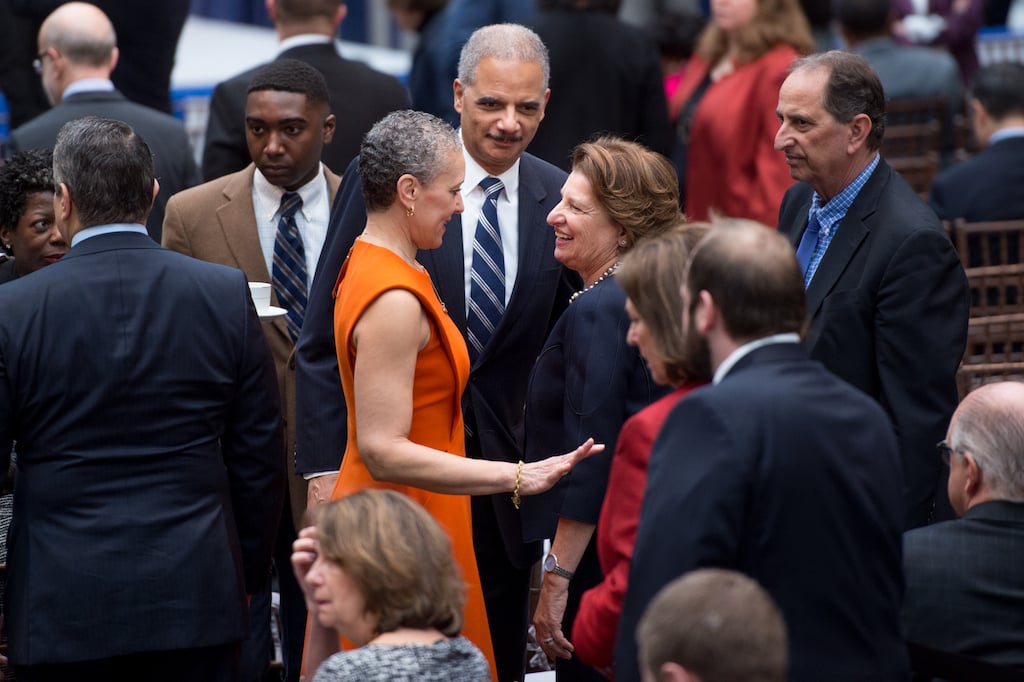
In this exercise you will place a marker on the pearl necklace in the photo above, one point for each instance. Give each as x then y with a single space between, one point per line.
604 275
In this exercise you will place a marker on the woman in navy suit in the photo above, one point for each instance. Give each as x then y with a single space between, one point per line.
587 380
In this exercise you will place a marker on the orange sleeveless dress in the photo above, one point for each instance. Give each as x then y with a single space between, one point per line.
442 369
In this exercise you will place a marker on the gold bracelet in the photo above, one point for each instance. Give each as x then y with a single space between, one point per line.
519 478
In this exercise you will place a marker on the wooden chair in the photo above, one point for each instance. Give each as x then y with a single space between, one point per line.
995 351
986 244
996 290
912 149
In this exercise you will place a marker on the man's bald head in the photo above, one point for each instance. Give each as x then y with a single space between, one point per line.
989 425
81 32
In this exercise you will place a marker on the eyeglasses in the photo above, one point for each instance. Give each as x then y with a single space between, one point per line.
37 63
945 451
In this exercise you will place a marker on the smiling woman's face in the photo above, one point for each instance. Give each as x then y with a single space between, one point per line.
35 241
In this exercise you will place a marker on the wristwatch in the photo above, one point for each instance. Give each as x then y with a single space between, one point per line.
551 566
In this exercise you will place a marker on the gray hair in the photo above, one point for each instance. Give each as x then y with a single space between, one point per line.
508 42
403 142
90 40
990 425
107 169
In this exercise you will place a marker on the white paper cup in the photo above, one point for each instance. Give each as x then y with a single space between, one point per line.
260 292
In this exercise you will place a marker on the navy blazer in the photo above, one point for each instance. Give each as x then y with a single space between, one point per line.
787 474
360 96
888 309
165 135
986 186
138 385
493 400
965 586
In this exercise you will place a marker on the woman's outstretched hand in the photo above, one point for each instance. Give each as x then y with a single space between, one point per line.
540 476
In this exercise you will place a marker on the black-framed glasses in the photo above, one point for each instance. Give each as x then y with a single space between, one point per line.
945 451
37 63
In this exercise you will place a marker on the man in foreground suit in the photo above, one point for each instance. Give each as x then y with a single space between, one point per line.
360 96
988 185
500 95
886 294
239 220
779 470
965 589
77 53
140 391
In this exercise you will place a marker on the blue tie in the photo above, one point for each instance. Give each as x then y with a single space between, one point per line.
289 272
808 245
487 276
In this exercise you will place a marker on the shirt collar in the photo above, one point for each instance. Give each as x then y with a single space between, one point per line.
88 85
748 348
301 40
836 208
1006 134
97 230
475 173
270 195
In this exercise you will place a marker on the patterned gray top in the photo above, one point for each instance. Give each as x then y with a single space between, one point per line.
452 660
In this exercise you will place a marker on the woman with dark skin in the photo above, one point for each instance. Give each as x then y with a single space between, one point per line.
28 229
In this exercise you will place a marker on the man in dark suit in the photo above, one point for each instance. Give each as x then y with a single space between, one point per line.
606 76
360 96
988 185
141 393
77 53
965 589
779 470
500 96
236 220
886 294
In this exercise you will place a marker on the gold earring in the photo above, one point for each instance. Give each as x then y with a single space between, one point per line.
411 211
622 243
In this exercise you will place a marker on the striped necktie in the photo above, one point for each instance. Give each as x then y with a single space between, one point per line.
487 276
289 272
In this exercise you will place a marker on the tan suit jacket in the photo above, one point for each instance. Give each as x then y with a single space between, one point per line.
215 222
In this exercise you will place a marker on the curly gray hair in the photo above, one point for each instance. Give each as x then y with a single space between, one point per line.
402 142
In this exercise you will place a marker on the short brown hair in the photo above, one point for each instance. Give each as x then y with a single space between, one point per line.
651 275
777 22
853 88
753 276
719 625
301 10
637 187
399 557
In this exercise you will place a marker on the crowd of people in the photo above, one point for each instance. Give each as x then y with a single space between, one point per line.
703 343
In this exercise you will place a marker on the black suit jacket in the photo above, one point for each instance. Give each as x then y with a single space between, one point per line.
140 390
965 588
986 186
787 474
493 399
360 97
605 78
888 307
172 153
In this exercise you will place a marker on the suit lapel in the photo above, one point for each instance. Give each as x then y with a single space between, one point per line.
447 267
853 228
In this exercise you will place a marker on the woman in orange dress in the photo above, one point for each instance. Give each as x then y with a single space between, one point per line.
403 361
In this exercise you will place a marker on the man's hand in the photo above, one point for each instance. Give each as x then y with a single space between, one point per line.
319 489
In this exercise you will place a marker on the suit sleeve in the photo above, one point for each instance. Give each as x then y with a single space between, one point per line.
320 413
252 444
692 514
225 150
593 630
921 332
606 381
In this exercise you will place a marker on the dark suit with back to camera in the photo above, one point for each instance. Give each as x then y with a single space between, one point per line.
140 391
493 399
360 96
165 135
888 310
789 475
986 186
965 589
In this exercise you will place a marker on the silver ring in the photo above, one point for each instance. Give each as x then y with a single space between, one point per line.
549 640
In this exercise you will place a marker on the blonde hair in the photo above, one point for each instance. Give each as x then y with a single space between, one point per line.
776 22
